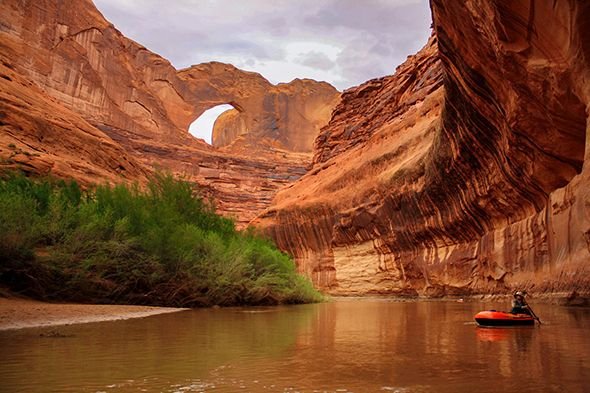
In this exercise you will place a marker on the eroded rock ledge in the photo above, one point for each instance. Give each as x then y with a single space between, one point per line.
465 172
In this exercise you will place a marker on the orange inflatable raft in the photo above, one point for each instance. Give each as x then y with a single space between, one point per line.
493 318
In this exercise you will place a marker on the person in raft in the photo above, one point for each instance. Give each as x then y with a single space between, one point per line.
519 305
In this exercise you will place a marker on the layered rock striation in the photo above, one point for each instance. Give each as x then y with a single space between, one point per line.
463 173
39 135
134 110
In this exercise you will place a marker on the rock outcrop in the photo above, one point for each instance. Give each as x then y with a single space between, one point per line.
133 109
465 172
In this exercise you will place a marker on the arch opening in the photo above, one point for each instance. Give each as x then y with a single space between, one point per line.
202 127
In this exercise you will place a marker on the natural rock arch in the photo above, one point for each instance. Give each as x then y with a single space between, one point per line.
202 126
287 116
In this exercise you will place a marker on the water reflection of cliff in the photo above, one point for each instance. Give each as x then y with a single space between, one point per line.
369 345
130 354
555 351
355 345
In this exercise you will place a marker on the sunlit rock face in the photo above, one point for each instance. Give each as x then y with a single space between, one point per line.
286 116
117 110
465 172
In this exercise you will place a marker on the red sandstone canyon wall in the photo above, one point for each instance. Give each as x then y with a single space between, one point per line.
132 110
465 172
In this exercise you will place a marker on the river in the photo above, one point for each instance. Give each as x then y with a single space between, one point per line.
355 345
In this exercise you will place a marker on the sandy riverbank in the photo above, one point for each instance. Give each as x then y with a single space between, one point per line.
21 313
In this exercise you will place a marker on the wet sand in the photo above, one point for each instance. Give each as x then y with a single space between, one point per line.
22 313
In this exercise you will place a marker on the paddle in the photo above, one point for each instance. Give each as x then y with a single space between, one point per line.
532 312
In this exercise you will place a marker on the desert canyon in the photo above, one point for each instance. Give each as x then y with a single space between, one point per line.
463 173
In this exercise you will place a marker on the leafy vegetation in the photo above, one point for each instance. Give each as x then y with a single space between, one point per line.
163 245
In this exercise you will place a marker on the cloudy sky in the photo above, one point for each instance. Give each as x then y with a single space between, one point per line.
343 42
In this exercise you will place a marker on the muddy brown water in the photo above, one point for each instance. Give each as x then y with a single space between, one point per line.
366 345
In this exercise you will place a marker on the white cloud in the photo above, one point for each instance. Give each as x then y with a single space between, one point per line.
281 39
315 55
315 59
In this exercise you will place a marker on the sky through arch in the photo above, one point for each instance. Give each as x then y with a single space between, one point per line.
203 127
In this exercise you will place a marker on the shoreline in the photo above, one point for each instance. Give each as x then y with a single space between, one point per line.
17 313
566 299
21 313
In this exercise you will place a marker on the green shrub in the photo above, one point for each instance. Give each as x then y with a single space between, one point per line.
164 246
19 225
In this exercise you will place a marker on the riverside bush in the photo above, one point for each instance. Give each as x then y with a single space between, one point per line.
163 245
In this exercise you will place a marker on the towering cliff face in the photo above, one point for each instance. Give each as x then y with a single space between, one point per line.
134 109
466 174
